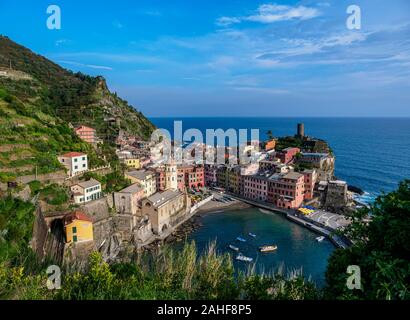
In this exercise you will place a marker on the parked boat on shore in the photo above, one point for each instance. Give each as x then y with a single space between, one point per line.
268 248
241 257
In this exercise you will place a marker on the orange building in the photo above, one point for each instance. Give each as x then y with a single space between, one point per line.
270 145
86 133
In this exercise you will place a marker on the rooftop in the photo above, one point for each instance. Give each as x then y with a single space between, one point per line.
140 174
73 154
76 215
134 188
88 184
160 198
292 176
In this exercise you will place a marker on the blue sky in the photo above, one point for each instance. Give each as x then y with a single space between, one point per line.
230 58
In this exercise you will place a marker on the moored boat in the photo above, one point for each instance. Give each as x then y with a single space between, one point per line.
252 235
233 248
320 239
241 239
269 248
241 257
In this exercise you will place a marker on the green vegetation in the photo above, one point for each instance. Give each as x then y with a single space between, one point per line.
16 224
166 275
38 102
381 249
287 142
111 182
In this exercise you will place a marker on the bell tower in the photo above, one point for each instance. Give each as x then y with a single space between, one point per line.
171 176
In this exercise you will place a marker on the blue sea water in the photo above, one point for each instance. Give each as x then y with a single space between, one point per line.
297 246
371 153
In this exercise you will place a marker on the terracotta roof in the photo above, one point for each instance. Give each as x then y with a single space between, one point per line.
73 154
76 215
84 127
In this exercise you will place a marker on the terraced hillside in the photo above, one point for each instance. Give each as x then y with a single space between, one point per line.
39 104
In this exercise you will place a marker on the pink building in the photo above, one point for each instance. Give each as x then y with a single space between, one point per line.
86 134
310 178
255 187
191 177
287 155
286 191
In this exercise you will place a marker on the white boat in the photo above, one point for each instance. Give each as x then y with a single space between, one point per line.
268 248
241 239
320 239
252 235
233 248
241 257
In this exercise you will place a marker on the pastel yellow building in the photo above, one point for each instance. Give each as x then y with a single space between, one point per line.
78 227
133 163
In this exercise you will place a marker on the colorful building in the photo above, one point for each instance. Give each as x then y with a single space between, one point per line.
132 162
310 178
255 187
286 190
86 134
78 227
191 177
145 179
270 145
287 155
86 191
75 162
210 175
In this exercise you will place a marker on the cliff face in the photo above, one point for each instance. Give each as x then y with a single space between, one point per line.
38 102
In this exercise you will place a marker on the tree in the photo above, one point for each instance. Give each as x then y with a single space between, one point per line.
381 237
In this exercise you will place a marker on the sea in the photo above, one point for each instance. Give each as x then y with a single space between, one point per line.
371 153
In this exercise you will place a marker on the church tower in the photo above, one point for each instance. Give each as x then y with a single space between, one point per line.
171 176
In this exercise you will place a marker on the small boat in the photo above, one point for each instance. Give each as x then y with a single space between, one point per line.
233 248
320 239
252 235
241 239
269 248
241 257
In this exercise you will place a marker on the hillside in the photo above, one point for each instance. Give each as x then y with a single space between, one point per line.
38 102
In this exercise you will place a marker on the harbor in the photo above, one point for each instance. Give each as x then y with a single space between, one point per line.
297 248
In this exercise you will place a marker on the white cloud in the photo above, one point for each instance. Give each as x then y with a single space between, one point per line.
270 13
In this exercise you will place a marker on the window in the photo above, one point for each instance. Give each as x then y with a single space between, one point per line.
75 238
74 229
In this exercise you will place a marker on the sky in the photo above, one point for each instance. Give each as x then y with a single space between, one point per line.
230 58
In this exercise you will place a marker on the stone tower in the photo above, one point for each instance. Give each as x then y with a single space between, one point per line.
301 130
171 176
